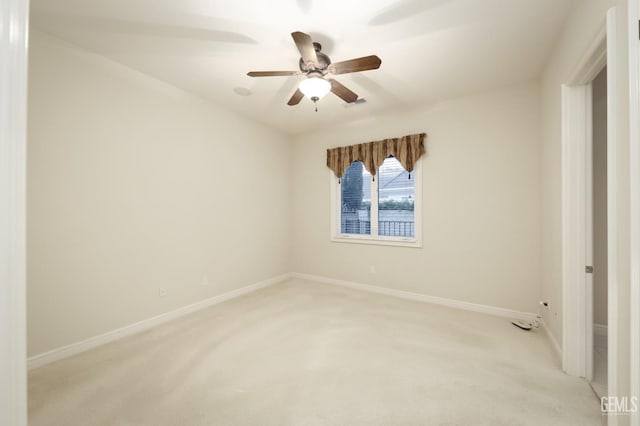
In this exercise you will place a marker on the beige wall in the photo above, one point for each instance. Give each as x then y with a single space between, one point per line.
481 240
134 185
599 96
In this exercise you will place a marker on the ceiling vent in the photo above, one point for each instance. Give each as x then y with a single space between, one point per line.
359 101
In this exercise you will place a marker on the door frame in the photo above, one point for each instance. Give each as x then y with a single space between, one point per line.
634 199
577 239
14 21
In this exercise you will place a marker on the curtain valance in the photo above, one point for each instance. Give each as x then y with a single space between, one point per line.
407 149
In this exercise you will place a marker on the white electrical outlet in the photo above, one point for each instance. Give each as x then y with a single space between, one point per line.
162 291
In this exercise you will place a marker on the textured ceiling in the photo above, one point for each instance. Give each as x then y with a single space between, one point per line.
430 49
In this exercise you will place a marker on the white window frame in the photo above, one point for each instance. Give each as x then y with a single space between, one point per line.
415 242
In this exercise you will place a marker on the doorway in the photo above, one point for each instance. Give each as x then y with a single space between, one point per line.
578 215
599 230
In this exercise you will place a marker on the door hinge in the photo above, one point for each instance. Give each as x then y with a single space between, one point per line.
588 269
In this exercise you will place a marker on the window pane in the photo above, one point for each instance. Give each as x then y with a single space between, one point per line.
396 195
355 188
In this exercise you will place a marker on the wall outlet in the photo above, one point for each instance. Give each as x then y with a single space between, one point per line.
205 280
162 291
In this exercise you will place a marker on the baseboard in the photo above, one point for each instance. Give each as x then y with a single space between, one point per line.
467 306
92 342
600 330
110 336
552 339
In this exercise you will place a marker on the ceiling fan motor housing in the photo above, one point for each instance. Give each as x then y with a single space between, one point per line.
323 61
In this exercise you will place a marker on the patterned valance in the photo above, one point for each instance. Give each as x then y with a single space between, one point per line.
407 149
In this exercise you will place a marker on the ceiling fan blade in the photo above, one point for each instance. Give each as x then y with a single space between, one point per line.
272 73
354 65
305 46
296 98
342 92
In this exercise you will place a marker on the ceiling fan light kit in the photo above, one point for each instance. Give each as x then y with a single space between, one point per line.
318 69
315 87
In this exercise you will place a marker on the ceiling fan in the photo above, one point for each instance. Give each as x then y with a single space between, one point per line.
318 69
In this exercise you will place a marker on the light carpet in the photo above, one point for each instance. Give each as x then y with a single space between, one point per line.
302 353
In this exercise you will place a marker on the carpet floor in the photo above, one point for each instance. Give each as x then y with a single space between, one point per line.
303 353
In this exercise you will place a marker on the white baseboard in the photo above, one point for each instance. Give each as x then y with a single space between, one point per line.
92 342
598 330
552 339
467 306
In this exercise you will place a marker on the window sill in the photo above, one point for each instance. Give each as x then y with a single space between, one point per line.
395 242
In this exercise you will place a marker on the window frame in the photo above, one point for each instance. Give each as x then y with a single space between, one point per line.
338 237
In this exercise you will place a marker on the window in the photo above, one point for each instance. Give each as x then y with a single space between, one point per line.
396 200
381 211
355 201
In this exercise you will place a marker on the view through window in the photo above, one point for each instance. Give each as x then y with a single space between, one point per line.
394 204
396 196
355 187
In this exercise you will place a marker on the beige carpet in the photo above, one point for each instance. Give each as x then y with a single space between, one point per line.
302 353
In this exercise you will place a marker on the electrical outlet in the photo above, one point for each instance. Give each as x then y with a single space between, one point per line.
162 291
205 280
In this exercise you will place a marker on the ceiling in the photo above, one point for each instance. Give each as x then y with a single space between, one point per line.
430 49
